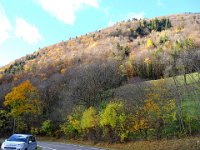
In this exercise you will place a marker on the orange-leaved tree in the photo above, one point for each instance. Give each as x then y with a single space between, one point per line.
23 102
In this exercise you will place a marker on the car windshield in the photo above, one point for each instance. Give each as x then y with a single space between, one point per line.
17 138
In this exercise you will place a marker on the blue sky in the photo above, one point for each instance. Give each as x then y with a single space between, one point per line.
26 25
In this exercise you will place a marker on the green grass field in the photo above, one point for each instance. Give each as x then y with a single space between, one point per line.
190 78
190 94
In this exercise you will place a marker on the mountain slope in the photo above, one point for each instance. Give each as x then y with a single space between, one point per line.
128 40
105 66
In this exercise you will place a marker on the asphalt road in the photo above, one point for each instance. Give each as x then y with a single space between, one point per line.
62 146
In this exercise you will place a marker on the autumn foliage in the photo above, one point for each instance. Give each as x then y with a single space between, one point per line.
97 86
23 99
23 102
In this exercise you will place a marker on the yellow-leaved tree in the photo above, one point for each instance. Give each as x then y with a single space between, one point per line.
23 102
89 119
89 123
113 121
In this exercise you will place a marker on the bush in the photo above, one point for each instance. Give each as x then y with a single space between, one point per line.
35 131
89 118
72 127
68 130
150 43
89 123
47 128
163 39
113 122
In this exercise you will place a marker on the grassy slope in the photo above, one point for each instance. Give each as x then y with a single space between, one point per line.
190 78
190 103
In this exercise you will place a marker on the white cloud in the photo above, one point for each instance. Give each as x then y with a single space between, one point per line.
28 32
64 10
5 26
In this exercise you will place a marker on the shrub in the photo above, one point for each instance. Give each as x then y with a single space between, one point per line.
163 39
35 131
150 43
47 127
72 127
113 122
89 123
89 118
68 130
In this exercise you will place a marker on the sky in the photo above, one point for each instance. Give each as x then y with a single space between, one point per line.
27 25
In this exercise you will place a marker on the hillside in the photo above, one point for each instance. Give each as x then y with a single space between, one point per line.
132 40
138 79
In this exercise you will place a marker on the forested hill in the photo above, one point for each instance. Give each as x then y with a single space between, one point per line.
99 76
130 41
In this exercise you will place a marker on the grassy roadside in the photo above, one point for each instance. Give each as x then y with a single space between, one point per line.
39 148
188 143
178 144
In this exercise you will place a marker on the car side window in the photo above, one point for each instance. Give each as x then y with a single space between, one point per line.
29 139
33 139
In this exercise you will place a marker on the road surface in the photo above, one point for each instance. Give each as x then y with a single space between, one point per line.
62 146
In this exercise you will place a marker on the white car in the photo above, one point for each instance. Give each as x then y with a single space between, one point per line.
20 142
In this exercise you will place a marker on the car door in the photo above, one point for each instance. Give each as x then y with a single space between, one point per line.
34 143
31 143
29 147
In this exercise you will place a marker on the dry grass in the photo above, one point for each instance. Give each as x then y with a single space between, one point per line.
178 144
189 143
